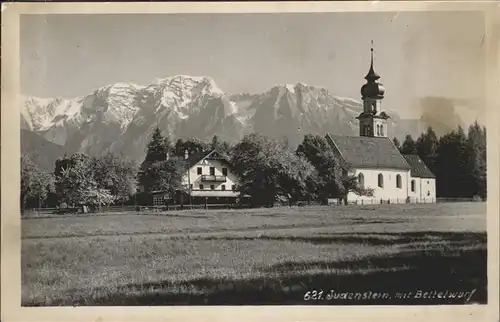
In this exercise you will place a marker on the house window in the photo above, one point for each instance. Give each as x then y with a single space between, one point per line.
212 171
223 187
201 187
380 180
198 170
224 172
399 184
212 187
233 187
361 180
413 185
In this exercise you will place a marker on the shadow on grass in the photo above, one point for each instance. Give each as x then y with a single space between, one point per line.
460 275
375 239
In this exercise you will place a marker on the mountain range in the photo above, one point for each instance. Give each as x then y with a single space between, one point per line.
120 117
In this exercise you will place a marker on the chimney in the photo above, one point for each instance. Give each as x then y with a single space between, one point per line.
186 154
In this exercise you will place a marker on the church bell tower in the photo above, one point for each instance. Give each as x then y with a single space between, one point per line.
372 121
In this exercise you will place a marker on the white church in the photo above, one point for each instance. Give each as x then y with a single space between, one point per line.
378 164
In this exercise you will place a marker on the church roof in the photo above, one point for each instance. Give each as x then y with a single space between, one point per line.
368 152
418 167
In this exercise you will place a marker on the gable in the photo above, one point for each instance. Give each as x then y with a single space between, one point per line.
418 167
195 159
368 152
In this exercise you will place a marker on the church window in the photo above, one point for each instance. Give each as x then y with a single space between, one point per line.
380 180
378 129
381 130
413 185
398 181
361 180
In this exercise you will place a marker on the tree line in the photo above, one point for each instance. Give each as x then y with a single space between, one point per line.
268 170
457 159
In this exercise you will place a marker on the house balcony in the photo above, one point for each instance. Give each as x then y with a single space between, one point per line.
210 178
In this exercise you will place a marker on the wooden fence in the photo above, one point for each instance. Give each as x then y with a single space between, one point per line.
49 212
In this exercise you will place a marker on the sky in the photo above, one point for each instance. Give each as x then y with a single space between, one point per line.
417 54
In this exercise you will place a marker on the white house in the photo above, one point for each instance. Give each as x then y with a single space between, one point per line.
208 179
376 161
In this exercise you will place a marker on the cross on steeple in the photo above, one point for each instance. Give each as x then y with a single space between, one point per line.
372 76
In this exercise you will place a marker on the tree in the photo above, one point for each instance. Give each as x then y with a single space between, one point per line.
409 145
476 139
453 165
158 147
117 174
76 183
215 142
268 171
223 147
397 144
192 145
334 177
426 146
157 172
35 183
163 175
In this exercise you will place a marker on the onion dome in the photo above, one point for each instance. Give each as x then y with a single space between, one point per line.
372 89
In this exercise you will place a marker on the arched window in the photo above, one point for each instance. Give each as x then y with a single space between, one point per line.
380 180
381 130
378 129
413 185
398 182
361 180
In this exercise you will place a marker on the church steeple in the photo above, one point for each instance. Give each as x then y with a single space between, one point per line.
372 76
372 121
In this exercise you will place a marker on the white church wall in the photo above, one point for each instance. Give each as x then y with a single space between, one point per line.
424 190
389 191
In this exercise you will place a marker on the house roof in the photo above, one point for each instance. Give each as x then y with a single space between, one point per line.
418 167
194 158
368 152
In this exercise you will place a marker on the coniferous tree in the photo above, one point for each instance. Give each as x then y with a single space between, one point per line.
477 143
157 148
426 147
215 142
452 166
409 146
396 143
159 172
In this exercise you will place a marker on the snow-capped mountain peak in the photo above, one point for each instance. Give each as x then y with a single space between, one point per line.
120 117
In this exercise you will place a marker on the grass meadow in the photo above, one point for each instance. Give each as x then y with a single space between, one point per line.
256 256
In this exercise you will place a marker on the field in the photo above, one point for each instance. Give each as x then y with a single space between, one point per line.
258 256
